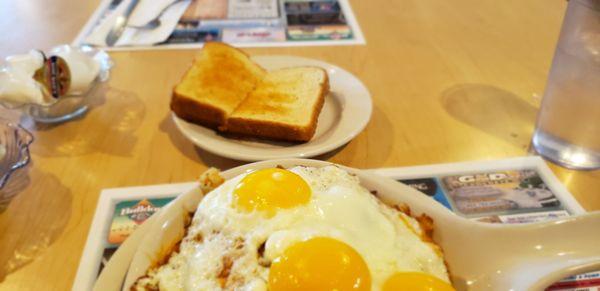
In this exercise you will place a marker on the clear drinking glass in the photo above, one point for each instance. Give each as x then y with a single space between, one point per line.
568 125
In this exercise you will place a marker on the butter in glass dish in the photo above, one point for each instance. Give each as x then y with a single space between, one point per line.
55 86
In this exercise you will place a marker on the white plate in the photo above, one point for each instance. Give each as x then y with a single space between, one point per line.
345 114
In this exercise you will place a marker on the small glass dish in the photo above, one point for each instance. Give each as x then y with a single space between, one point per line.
71 105
14 157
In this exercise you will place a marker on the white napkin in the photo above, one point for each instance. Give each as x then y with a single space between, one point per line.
144 12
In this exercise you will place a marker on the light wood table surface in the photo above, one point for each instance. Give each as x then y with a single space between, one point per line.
451 81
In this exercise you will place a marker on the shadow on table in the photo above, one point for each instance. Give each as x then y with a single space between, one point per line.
381 138
217 161
34 219
330 154
492 110
372 147
190 151
107 127
186 147
222 163
196 154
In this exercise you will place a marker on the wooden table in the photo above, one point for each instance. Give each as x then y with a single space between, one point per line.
451 81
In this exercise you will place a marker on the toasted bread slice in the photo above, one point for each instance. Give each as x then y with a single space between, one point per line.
219 79
285 105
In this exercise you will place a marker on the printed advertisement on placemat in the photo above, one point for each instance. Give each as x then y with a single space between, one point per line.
500 196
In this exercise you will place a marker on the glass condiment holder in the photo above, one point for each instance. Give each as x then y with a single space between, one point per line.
14 158
70 105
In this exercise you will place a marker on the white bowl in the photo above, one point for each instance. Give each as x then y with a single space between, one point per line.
480 256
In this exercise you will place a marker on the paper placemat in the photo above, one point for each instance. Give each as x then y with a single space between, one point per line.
250 23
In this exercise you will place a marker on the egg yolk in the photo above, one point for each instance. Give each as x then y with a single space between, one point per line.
415 281
319 264
269 190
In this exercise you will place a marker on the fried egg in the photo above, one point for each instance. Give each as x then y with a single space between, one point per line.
300 229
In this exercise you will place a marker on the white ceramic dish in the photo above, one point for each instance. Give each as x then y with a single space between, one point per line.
345 114
480 256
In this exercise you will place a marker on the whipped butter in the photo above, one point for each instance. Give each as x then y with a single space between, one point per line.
16 79
27 78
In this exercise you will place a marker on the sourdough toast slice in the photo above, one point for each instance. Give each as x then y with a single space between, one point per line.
220 78
285 105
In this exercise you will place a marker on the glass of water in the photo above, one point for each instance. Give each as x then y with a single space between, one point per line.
568 124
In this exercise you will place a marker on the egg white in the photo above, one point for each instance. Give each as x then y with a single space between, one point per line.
339 208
